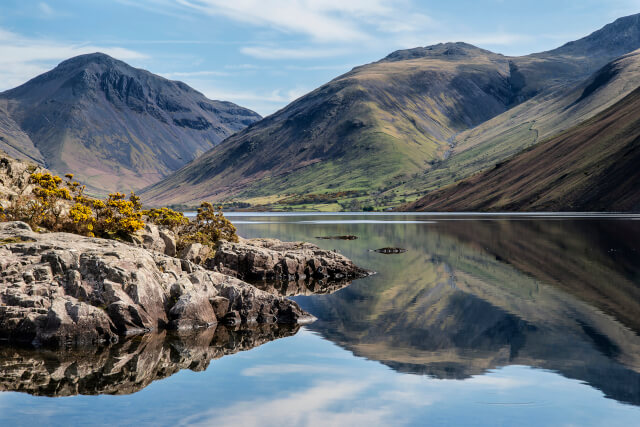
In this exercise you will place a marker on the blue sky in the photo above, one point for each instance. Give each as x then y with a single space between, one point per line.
262 54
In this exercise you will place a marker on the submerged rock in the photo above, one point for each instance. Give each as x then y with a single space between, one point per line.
60 288
390 250
274 260
346 237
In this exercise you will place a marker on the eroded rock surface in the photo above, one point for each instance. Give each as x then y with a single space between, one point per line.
60 288
128 366
14 178
274 260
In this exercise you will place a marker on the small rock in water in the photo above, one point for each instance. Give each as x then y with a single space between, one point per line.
347 237
390 250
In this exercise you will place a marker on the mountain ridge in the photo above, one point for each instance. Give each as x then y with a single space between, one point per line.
380 124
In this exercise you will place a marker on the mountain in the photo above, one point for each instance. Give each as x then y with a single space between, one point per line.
535 120
591 167
383 124
114 126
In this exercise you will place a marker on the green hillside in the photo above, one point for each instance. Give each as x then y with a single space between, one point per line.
420 119
591 167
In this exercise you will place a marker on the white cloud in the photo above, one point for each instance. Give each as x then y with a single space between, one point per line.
262 102
311 407
323 20
22 58
45 9
333 28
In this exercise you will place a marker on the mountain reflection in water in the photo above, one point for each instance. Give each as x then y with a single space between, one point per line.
470 296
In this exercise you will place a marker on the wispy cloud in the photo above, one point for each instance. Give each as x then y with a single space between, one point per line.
45 9
262 102
315 406
324 20
22 58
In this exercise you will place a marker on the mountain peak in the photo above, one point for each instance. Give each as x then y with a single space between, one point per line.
90 58
116 126
617 38
451 50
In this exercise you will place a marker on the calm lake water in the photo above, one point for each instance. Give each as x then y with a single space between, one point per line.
485 320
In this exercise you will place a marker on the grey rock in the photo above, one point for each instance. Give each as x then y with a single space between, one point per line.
272 259
196 253
169 242
60 288
14 179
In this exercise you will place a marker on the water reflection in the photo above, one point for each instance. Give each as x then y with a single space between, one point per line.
306 286
484 322
128 366
471 296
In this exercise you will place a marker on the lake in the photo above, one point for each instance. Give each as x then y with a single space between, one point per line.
484 320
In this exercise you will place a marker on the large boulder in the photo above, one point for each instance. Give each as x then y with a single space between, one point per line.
156 239
60 288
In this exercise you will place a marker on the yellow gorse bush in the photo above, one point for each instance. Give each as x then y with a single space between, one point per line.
167 217
209 226
59 205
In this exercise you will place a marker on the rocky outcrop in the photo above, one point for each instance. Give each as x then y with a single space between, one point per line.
14 178
156 239
274 260
60 288
128 366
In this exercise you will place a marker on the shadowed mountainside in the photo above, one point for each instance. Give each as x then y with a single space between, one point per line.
380 124
114 126
591 167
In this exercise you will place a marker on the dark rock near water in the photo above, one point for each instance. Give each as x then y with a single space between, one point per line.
390 250
347 237
58 289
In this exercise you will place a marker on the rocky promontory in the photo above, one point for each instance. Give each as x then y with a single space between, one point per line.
65 289
275 260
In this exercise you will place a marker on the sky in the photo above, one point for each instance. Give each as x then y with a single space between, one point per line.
263 54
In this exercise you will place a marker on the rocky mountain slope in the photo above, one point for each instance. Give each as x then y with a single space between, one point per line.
591 167
114 126
380 124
